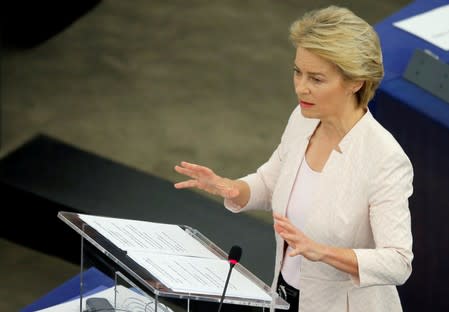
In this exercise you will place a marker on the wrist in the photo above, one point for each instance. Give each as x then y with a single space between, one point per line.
323 252
242 192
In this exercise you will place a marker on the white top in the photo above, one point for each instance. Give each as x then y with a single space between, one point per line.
298 207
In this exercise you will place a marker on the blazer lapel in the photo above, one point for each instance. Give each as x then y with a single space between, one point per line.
293 161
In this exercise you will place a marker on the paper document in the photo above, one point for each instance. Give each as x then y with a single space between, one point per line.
199 275
175 258
432 26
131 235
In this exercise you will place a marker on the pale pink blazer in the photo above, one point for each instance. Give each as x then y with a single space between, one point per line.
361 204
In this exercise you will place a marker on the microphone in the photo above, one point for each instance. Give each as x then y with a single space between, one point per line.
233 258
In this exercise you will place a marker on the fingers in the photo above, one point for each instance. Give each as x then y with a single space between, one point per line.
286 235
283 223
278 217
186 184
195 168
292 241
294 253
185 171
289 233
188 164
289 237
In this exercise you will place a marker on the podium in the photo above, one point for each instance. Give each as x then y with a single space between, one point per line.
146 277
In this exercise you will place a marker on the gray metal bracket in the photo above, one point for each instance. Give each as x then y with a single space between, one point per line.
428 72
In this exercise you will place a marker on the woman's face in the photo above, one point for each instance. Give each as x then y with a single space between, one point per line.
322 92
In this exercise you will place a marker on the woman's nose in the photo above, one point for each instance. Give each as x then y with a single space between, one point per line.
301 86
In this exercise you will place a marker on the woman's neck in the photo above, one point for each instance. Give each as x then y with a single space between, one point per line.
336 128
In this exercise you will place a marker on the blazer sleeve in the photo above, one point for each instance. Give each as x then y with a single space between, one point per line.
390 263
263 181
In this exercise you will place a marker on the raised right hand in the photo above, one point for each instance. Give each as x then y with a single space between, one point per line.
205 179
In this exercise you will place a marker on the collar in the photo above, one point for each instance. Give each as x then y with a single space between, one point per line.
348 138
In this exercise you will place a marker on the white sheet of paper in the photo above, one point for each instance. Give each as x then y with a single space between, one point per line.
131 235
174 257
199 275
432 26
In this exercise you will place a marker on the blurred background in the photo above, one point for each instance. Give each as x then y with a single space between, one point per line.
147 84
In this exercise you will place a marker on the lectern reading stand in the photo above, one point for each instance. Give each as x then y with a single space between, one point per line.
155 261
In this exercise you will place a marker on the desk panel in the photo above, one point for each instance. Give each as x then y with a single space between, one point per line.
427 144
420 123
92 279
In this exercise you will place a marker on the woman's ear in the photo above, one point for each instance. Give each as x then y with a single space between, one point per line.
357 85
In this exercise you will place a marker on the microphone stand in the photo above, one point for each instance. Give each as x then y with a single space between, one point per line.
232 263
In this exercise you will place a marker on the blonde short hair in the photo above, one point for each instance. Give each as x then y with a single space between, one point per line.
341 37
